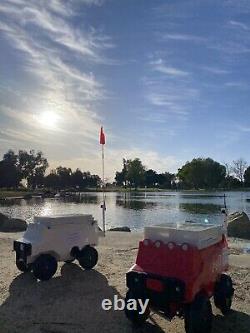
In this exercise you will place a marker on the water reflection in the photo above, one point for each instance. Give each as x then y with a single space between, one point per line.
201 196
82 198
21 202
135 204
199 208
133 209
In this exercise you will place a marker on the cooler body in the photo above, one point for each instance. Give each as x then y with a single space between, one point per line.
56 235
173 272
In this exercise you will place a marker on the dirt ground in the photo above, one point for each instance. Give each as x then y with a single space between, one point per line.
71 300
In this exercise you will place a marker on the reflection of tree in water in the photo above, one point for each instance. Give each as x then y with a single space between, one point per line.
79 198
198 208
21 202
90 199
201 196
135 204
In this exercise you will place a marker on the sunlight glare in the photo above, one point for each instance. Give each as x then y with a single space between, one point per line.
48 119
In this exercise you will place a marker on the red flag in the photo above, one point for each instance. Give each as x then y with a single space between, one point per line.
102 137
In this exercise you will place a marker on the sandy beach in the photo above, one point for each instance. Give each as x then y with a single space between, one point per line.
71 301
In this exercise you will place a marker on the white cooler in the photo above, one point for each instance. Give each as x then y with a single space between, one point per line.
199 235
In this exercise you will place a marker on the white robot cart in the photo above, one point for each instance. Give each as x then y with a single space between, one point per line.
57 238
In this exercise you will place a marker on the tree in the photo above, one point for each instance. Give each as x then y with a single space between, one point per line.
64 175
77 178
135 172
247 176
165 180
10 157
228 169
9 173
92 180
202 173
52 180
214 173
231 182
151 178
122 177
239 168
32 167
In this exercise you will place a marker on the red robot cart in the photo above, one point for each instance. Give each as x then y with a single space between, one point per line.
179 268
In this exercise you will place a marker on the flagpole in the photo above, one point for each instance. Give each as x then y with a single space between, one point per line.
103 206
103 195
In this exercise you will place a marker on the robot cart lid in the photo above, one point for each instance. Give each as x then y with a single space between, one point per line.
196 234
55 220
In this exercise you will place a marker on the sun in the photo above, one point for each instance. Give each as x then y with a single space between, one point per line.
48 119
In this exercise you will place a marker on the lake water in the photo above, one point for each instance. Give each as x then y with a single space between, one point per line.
136 209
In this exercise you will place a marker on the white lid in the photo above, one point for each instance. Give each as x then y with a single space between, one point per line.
63 219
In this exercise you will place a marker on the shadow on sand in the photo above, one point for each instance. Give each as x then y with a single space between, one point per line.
235 321
70 302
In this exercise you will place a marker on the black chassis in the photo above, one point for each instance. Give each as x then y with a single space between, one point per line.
173 289
23 250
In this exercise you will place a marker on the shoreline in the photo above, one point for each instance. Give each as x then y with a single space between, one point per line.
29 194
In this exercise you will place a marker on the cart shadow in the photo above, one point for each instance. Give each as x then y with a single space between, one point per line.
235 321
70 302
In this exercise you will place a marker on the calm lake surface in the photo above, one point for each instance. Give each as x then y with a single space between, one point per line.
136 209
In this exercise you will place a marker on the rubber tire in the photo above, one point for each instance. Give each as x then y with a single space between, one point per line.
223 294
133 315
88 257
69 261
199 316
23 267
44 267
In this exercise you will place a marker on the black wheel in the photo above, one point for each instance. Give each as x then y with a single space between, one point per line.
199 316
135 316
44 267
69 261
23 267
223 293
88 257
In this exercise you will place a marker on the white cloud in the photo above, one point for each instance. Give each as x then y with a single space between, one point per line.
173 96
55 55
170 90
182 37
159 66
237 84
243 128
239 25
215 70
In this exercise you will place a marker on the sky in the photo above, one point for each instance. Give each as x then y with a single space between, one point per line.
168 80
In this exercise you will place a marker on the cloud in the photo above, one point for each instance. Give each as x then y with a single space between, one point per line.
168 87
243 128
182 37
159 66
237 84
55 56
230 47
239 25
215 70
174 97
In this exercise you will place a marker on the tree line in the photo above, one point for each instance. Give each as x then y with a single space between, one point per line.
201 173
30 168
